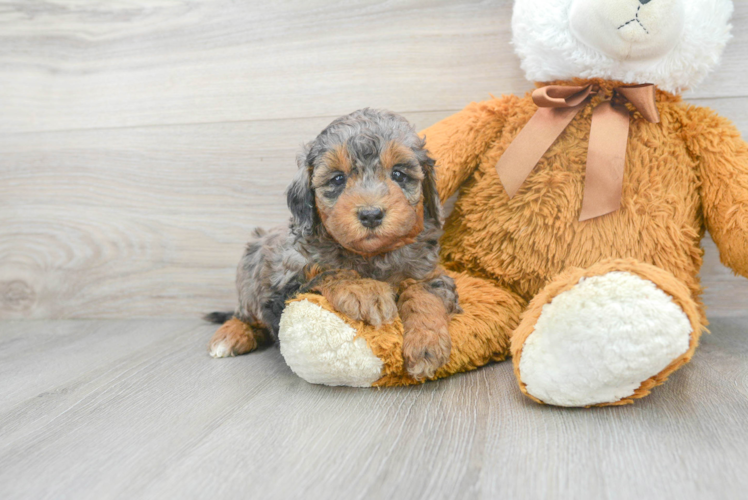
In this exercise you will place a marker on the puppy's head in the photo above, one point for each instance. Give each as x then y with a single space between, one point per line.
368 180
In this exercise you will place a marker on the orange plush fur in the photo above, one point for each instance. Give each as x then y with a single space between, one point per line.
684 175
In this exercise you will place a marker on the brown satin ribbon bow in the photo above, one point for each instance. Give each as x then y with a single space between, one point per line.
606 153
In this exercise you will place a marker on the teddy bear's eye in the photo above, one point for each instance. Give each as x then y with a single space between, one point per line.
338 180
398 176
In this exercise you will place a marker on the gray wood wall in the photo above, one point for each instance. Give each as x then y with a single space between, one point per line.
141 140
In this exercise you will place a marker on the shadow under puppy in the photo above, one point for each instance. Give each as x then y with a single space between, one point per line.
366 221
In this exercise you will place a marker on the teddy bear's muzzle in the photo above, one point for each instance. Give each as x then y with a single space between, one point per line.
628 30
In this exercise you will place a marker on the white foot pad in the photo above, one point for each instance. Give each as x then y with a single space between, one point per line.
321 348
597 342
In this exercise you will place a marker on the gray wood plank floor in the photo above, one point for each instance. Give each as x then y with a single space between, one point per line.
136 409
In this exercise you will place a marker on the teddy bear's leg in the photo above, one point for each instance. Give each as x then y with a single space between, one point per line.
324 347
605 335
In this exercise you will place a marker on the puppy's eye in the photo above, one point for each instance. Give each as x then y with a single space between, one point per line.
398 176
338 180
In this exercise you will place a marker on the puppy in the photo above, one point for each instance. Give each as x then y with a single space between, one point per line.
364 232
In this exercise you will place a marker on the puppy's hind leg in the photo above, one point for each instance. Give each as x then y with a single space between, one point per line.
236 337
266 276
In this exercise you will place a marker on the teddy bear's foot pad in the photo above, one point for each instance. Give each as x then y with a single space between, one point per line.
600 340
321 348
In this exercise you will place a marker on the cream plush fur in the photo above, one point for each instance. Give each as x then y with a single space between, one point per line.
322 349
597 342
563 39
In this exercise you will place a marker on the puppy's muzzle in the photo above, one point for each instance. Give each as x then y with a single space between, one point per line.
371 217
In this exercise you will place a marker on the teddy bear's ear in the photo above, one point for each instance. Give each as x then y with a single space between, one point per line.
300 197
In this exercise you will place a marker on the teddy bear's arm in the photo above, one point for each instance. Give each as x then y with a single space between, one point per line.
457 142
723 161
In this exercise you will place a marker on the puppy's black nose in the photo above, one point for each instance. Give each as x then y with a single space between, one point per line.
644 2
371 217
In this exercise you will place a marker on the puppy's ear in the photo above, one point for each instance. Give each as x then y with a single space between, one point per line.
431 203
300 197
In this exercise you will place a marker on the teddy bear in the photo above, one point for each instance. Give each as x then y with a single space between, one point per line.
574 241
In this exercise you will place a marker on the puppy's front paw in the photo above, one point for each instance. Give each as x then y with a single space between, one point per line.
425 351
366 300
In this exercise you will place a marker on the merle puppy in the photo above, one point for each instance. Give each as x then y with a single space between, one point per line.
366 221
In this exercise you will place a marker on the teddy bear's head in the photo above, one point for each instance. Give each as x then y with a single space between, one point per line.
671 43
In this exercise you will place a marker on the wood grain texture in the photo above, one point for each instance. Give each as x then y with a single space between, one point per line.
115 64
69 65
86 414
142 141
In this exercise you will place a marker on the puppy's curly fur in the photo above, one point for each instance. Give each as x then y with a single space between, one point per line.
364 232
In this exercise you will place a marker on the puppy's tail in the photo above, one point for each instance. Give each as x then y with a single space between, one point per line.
218 317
